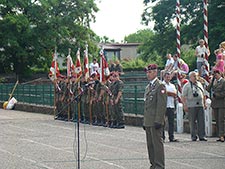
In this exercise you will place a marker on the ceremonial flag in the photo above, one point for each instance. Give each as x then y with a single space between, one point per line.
104 68
70 65
54 69
78 69
86 67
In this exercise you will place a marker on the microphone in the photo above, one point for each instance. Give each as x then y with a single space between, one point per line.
91 83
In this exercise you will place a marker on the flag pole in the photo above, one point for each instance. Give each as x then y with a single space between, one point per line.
180 112
55 80
69 80
78 75
101 64
205 3
178 48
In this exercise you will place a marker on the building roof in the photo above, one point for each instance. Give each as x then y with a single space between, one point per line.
117 46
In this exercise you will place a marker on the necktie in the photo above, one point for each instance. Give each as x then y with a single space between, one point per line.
150 86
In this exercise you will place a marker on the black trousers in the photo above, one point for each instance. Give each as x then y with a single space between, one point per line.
170 117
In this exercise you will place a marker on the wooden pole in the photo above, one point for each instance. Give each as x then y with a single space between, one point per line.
14 88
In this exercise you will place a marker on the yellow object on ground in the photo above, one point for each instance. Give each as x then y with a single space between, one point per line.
5 104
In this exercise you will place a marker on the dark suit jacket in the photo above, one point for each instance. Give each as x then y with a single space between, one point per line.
218 97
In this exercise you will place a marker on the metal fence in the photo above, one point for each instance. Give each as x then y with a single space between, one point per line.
32 94
44 95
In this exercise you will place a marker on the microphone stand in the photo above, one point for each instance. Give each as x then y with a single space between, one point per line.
77 98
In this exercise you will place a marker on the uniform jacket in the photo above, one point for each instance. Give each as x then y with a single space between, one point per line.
218 97
155 104
117 87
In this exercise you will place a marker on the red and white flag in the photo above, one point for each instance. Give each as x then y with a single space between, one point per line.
78 69
104 68
86 66
54 69
70 65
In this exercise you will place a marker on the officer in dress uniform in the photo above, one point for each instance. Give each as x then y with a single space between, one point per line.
155 99
218 101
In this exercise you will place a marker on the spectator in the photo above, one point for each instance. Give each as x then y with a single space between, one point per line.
94 66
175 64
183 69
168 66
217 85
111 66
222 47
219 61
194 103
200 52
118 67
170 108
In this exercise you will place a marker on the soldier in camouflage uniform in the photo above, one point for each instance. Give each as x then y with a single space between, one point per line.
105 93
84 101
58 99
116 102
74 92
65 98
93 109
98 104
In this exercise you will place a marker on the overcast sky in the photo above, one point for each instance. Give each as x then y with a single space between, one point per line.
118 18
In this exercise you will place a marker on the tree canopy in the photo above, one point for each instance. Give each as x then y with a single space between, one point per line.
140 36
30 30
164 15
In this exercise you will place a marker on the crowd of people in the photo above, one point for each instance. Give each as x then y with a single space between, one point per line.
90 100
99 102
160 97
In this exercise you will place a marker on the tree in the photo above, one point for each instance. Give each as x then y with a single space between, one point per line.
140 36
30 29
163 14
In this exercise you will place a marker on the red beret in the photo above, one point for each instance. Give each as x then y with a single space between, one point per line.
151 67
61 76
93 74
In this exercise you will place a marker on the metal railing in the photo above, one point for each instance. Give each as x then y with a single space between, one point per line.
32 94
133 93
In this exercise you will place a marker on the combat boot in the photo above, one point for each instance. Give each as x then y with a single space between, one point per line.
95 123
106 124
111 125
120 126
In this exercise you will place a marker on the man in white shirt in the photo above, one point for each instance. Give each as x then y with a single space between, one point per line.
171 95
200 52
168 66
94 67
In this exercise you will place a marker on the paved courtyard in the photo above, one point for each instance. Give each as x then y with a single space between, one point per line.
36 141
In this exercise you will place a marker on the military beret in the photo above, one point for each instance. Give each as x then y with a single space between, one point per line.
93 74
61 76
151 67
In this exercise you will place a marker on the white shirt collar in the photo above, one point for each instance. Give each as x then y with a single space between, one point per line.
153 81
